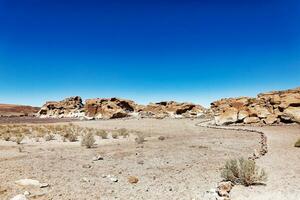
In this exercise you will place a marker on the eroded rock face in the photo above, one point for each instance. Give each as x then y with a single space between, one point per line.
266 108
109 108
172 109
70 107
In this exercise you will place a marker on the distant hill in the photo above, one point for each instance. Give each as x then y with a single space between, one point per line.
11 110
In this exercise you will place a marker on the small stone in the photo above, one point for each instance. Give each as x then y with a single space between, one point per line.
84 179
103 176
87 166
19 197
224 189
140 162
114 179
96 158
133 180
161 138
43 185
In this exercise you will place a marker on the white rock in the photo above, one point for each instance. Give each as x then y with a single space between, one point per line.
19 197
26 193
96 158
31 182
28 182
114 179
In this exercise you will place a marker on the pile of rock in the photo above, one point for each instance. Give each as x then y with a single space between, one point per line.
266 108
71 107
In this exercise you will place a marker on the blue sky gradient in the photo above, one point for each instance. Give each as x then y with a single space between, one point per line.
148 51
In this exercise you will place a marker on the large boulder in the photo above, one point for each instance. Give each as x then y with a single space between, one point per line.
68 108
109 108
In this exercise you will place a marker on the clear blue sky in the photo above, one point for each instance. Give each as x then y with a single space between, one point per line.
146 50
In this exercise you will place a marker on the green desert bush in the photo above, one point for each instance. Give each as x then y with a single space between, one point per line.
244 172
297 144
88 140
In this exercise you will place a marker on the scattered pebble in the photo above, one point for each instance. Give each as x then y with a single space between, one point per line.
161 138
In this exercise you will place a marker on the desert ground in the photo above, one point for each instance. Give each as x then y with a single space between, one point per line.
185 164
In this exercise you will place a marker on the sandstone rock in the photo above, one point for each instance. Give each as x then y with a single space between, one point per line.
271 119
109 108
133 180
251 120
243 114
70 107
224 188
229 116
19 197
269 108
293 113
172 109
98 157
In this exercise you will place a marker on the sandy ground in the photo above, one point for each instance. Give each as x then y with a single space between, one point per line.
282 163
183 166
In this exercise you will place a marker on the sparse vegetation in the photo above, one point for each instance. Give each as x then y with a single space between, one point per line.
123 132
49 137
102 133
114 135
88 140
19 139
244 172
297 144
140 139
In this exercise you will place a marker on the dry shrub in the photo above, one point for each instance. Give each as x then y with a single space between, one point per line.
297 144
114 135
140 139
19 139
123 132
88 140
244 172
49 137
102 133
6 136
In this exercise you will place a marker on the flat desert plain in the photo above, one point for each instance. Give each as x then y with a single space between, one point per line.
177 160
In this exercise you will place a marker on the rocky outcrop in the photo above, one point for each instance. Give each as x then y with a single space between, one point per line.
266 108
109 108
69 108
172 109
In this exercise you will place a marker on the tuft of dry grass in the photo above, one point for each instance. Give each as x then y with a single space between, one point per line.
123 132
19 139
244 172
297 144
140 139
88 140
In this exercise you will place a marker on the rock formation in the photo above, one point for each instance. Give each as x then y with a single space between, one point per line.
10 110
172 109
266 108
109 108
70 107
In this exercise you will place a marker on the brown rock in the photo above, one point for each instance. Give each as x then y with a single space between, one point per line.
133 180
109 108
251 120
293 113
224 188
229 116
271 119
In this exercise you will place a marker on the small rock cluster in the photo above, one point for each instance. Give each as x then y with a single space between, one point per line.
266 108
